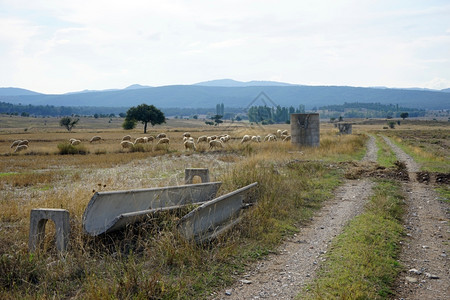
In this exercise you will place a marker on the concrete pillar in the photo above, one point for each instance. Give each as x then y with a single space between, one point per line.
345 128
38 219
305 130
190 173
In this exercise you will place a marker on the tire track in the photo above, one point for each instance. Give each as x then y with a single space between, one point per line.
424 252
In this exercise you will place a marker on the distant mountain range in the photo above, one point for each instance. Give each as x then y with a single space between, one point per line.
234 94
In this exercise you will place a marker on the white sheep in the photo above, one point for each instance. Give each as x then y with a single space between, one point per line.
279 132
95 139
140 140
225 138
15 143
23 142
151 138
126 138
186 134
284 132
270 137
287 138
126 144
163 141
75 142
72 139
215 144
161 135
202 138
190 145
245 138
256 139
20 148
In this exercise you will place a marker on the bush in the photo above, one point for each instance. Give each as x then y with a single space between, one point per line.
67 148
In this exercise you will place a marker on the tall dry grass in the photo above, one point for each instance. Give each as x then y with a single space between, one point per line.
152 260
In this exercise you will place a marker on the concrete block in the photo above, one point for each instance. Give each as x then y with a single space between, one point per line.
38 220
345 128
305 130
190 173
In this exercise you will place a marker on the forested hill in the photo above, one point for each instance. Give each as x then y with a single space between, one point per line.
191 96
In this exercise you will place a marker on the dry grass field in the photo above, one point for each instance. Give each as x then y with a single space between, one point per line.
152 261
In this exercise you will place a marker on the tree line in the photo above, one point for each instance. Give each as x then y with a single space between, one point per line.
368 110
270 115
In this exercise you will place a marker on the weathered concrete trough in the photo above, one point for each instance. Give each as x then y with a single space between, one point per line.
110 211
215 216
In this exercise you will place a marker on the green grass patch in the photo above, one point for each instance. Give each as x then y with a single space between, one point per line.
385 155
361 263
444 193
428 148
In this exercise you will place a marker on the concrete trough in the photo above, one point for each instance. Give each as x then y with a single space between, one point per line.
215 216
110 211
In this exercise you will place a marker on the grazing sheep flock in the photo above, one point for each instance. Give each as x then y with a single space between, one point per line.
190 143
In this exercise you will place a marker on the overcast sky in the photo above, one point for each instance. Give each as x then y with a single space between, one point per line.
56 46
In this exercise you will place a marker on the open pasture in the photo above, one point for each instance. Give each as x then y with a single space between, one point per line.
153 261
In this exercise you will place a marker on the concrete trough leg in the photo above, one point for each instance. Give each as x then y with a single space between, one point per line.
38 220
190 173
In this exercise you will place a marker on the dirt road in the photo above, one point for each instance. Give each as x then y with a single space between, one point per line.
283 275
425 250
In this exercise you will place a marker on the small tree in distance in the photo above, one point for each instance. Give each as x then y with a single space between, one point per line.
146 114
404 115
68 123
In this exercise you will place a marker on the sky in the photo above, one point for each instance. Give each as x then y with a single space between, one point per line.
60 46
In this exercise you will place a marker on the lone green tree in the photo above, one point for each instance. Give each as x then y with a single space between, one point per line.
404 115
217 119
68 123
146 114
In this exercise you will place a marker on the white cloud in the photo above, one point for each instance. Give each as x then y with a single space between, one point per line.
75 45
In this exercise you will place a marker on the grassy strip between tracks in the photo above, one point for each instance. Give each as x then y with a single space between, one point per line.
361 263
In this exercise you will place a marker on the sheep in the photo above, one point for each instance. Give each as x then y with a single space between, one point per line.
20 148
215 144
126 138
187 134
95 139
189 145
163 141
72 139
202 138
151 138
225 138
161 135
270 137
75 142
126 144
245 138
284 132
256 139
140 140
15 143
287 138
279 132
23 142
213 137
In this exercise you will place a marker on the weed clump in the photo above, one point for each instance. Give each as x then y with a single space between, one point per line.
67 148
